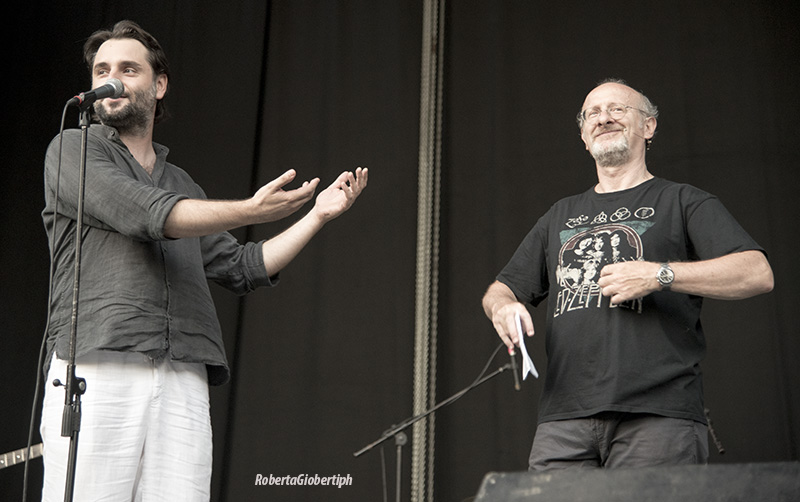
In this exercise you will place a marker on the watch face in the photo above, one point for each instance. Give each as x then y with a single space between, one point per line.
665 276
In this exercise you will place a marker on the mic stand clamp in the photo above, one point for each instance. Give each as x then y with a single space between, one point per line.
396 431
71 422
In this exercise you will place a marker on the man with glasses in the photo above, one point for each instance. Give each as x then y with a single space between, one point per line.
624 340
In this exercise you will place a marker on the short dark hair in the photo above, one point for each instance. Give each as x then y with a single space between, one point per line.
129 29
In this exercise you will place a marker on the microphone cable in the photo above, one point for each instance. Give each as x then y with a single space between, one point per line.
39 364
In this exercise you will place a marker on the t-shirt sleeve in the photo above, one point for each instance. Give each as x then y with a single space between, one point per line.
526 273
712 231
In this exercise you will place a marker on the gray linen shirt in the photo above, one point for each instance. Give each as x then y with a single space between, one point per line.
139 290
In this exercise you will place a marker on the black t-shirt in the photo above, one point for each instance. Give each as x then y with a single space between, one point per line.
642 356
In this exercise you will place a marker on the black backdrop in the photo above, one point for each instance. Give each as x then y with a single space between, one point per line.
323 363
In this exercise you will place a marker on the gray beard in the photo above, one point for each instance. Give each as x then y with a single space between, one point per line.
612 155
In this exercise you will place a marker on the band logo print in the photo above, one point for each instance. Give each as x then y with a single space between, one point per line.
585 251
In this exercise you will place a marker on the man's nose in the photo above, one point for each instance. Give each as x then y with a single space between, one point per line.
605 117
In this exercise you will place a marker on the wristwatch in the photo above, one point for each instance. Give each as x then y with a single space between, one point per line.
665 276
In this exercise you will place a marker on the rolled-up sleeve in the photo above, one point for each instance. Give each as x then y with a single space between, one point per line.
137 210
237 267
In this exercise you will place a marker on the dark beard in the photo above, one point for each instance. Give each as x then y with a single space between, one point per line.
133 118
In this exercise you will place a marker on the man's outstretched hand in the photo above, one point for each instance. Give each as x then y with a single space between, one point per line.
340 195
274 203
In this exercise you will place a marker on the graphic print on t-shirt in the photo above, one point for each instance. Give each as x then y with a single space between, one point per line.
586 249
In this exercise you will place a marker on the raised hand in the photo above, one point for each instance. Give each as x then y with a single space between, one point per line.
340 195
273 203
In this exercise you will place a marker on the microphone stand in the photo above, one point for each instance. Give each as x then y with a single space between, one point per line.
75 387
396 431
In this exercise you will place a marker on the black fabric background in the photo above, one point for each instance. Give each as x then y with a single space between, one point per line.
324 363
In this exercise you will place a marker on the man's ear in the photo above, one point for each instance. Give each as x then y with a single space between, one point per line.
650 125
161 86
585 143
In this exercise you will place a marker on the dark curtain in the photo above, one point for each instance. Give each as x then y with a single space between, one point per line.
323 363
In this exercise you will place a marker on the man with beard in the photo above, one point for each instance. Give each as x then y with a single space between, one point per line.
148 340
623 385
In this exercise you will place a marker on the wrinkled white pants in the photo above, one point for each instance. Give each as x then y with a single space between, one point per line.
145 433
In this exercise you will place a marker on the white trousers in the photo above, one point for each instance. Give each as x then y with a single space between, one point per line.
145 432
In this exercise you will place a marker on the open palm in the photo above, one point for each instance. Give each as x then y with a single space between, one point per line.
340 195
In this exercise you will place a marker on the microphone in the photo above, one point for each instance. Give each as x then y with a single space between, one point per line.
112 89
514 368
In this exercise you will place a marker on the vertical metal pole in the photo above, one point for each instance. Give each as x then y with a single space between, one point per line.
425 340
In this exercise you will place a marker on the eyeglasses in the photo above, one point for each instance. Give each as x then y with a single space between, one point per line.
614 110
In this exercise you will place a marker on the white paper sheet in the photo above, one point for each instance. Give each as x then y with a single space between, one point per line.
527 363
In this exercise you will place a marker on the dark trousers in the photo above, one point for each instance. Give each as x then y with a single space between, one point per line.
618 440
